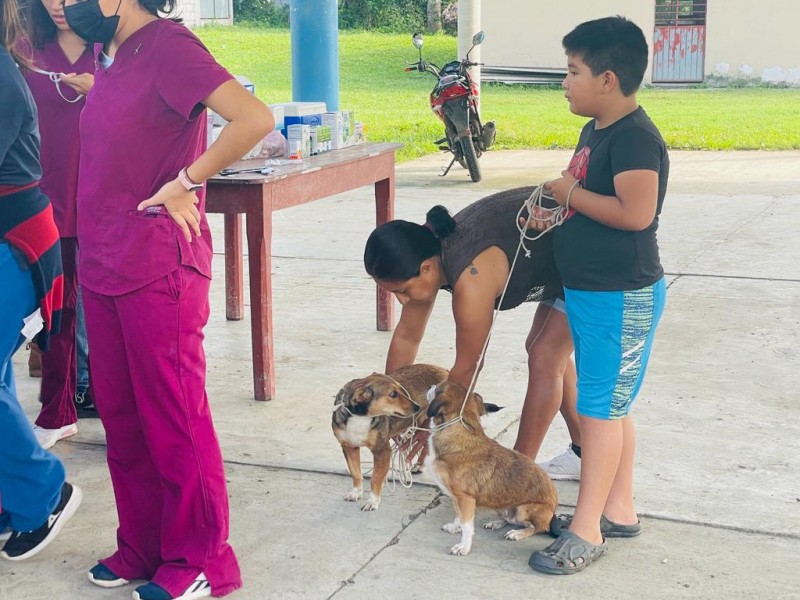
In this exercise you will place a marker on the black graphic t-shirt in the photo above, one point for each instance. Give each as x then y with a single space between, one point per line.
593 256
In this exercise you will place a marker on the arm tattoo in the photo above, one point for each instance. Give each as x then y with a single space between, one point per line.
473 270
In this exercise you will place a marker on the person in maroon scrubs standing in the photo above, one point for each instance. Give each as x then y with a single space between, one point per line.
59 77
145 265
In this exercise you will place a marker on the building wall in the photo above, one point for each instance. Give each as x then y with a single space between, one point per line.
528 33
744 38
189 11
736 48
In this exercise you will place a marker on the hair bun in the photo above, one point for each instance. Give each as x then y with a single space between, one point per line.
440 222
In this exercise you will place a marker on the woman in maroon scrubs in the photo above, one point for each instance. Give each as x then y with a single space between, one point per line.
59 79
145 265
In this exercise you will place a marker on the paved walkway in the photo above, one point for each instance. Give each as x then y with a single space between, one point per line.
719 434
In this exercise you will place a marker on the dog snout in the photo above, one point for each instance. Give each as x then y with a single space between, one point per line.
435 408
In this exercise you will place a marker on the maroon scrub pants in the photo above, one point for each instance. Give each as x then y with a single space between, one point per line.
59 362
148 370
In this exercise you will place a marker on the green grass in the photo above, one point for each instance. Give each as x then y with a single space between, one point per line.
393 104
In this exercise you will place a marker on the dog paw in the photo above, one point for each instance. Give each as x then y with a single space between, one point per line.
519 534
353 495
494 525
461 549
451 528
372 504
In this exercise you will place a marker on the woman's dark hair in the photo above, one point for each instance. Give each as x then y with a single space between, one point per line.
396 249
164 7
41 28
611 44
11 30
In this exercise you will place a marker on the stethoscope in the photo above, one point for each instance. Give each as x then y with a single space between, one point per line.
56 79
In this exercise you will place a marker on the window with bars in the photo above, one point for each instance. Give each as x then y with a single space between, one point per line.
670 13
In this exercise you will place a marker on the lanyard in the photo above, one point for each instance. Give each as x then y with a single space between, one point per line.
56 79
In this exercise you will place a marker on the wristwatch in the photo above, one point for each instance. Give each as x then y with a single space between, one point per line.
191 186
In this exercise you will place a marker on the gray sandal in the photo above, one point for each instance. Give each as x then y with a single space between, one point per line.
608 528
567 555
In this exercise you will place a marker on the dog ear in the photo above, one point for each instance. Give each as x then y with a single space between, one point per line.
345 395
485 407
363 394
360 399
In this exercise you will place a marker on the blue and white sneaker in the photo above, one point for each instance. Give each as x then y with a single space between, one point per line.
25 544
199 588
104 577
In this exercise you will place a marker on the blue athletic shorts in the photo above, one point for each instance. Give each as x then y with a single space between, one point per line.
613 333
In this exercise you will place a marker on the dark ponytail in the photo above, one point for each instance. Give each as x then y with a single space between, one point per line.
157 8
439 221
396 249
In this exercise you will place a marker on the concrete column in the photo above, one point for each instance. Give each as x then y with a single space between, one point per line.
469 23
315 51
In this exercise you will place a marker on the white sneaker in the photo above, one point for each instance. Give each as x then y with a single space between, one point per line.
48 437
199 588
564 467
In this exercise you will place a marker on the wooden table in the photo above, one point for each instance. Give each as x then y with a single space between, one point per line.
257 196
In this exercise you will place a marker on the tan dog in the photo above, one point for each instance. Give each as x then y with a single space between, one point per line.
474 470
368 412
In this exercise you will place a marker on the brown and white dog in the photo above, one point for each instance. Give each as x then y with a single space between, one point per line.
368 412
476 471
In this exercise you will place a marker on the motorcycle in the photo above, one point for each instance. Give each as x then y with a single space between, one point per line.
454 100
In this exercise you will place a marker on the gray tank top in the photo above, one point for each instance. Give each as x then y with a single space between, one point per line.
491 221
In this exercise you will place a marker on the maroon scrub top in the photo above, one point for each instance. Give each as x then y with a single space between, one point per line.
58 125
143 122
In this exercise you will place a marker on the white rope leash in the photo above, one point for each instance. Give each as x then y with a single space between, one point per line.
56 79
556 215
400 468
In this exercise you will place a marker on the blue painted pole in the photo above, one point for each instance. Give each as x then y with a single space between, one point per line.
315 51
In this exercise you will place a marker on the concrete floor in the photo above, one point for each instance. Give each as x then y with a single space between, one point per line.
719 436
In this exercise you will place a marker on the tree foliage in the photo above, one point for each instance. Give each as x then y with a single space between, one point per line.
398 16
261 12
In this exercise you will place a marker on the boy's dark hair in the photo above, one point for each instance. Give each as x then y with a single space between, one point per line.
611 44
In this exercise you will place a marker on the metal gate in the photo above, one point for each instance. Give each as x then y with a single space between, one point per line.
679 41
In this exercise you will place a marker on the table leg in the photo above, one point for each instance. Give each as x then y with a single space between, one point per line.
234 280
384 211
259 243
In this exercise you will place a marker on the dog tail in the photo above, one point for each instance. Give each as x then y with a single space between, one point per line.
491 408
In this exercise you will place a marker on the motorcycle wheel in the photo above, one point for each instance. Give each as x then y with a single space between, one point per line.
470 158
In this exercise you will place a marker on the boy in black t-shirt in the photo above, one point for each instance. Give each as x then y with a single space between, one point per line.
607 254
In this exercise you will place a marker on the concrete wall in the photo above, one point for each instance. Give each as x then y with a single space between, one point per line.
744 38
528 33
189 11
736 47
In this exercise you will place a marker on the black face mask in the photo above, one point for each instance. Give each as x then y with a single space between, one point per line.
88 21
